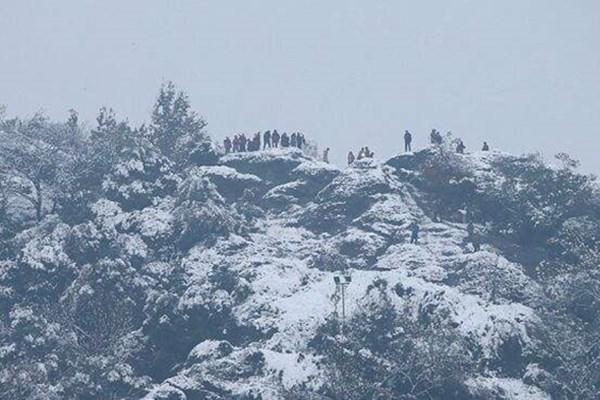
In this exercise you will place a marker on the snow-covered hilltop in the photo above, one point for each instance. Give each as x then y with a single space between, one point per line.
179 273
309 221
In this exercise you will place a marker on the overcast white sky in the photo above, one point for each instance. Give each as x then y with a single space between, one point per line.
523 75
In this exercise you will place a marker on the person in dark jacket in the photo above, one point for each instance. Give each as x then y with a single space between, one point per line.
275 137
470 230
414 233
243 142
361 154
285 140
485 147
436 137
326 155
460 147
351 158
267 139
476 241
257 136
227 145
301 140
294 140
437 211
407 141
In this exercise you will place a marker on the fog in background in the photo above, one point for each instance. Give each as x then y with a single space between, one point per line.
523 75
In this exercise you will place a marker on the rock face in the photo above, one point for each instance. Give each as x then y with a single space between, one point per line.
318 219
235 279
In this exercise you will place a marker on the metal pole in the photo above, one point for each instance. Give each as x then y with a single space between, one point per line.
343 307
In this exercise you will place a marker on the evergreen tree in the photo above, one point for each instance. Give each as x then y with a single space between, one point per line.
177 130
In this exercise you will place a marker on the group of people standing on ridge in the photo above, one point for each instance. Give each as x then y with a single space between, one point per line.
241 143
362 153
437 139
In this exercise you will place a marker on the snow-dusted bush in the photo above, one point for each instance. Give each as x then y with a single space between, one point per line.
382 352
530 200
201 213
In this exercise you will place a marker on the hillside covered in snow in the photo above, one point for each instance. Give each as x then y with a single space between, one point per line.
146 264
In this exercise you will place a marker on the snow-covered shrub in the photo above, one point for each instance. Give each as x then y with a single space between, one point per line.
103 305
140 175
201 213
86 244
43 268
531 200
384 353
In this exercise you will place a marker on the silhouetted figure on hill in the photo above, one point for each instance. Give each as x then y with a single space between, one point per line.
476 241
485 147
326 155
294 140
468 215
437 212
351 158
243 142
369 153
227 145
414 233
470 230
436 137
267 139
361 154
460 147
257 141
275 138
407 141
285 140
301 140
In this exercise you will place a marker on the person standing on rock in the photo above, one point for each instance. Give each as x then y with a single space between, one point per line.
351 158
275 138
267 139
460 147
326 155
294 140
470 230
257 141
407 141
301 140
437 211
476 241
485 147
227 145
285 140
436 137
414 233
